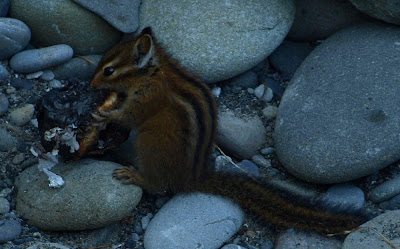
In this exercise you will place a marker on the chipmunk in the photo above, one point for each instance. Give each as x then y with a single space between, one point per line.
175 116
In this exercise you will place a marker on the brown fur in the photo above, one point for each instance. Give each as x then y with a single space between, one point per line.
175 117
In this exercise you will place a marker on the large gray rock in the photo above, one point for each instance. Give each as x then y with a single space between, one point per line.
339 118
194 221
90 198
33 60
122 14
318 19
14 36
65 22
217 40
240 136
385 10
386 224
78 68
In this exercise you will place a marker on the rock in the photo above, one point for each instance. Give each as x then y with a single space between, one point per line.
55 84
261 161
4 6
386 10
270 111
42 245
90 198
232 246
245 80
122 15
292 239
47 75
7 141
193 221
217 40
77 68
262 94
242 137
345 197
34 75
33 60
21 116
65 22
318 19
4 74
4 104
338 107
386 190
288 57
4 206
9 230
14 36
222 163
387 224
22 83
267 151
391 204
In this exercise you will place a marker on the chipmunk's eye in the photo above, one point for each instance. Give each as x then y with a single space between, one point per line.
108 71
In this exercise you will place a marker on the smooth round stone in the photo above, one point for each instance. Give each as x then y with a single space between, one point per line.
4 206
7 141
4 103
22 83
294 239
217 40
122 14
42 245
9 230
33 60
65 22
386 10
242 137
78 68
21 116
344 197
338 119
193 221
386 224
90 198
386 190
14 36
4 74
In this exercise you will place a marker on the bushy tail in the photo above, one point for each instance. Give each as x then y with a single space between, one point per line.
271 206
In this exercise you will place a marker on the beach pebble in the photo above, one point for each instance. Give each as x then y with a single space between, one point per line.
55 84
4 6
261 161
47 75
122 14
33 60
240 136
4 206
264 94
386 190
9 230
77 68
388 11
195 220
4 74
91 197
345 197
270 111
14 36
21 83
7 141
293 239
21 116
4 103
42 245
34 75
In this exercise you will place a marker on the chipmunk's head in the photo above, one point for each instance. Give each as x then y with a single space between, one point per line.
128 62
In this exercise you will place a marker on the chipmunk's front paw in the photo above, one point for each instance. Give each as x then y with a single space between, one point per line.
101 119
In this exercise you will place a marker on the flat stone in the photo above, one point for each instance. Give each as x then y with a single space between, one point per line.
338 119
14 36
65 22
9 230
217 40
194 221
90 198
122 15
33 60
388 10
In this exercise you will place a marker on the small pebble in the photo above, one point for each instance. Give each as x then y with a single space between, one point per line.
4 205
250 90
261 93
18 158
4 74
4 103
7 141
267 151
232 246
386 190
47 75
261 161
270 111
55 84
344 197
146 220
34 75
22 115
21 83
9 230
10 90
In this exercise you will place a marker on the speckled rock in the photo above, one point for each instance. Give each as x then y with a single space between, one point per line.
7 141
293 239
194 221
338 119
77 68
65 22
4 74
90 198
217 40
387 224
385 10
14 36
33 60
240 136
122 14
9 230
21 116
4 206
318 19
386 190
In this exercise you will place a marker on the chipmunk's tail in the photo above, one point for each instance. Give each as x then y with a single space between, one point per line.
268 203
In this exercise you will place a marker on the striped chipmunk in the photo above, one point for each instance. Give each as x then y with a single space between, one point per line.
175 117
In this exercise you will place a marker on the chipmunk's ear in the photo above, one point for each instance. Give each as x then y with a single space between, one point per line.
144 48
